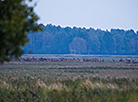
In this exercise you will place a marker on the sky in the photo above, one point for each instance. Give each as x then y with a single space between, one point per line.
102 14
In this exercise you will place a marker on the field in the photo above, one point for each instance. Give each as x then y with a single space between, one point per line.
74 81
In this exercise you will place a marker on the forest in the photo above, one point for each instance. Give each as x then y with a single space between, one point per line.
58 40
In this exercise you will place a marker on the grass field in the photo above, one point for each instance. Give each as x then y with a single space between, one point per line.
68 82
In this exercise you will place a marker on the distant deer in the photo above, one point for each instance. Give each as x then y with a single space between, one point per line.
133 60
128 60
121 60
113 60
101 60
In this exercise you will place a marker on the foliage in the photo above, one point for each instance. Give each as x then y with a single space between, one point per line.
78 45
16 20
58 40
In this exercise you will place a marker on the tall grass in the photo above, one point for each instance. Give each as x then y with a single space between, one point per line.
92 89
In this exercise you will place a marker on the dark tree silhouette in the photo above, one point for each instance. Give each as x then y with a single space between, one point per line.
16 20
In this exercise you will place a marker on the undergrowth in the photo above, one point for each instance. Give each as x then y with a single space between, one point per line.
92 89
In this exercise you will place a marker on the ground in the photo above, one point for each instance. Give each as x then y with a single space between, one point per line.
73 69
74 81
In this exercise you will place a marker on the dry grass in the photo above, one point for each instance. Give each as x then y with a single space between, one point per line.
68 82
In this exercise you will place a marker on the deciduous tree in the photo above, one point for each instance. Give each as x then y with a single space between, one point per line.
16 20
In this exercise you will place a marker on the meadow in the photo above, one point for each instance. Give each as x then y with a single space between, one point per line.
40 81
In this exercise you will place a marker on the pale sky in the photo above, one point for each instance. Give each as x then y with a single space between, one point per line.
102 14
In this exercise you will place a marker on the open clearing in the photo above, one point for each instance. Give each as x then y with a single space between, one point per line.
74 81
73 69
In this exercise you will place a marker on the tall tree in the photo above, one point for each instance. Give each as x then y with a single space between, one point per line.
95 45
78 46
109 42
16 20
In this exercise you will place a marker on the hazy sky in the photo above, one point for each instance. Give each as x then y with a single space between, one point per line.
103 14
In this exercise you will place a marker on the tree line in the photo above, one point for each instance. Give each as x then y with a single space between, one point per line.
58 40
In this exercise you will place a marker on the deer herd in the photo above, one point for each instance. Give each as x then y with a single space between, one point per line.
71 59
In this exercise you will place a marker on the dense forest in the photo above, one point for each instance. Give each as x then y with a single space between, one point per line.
57 40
